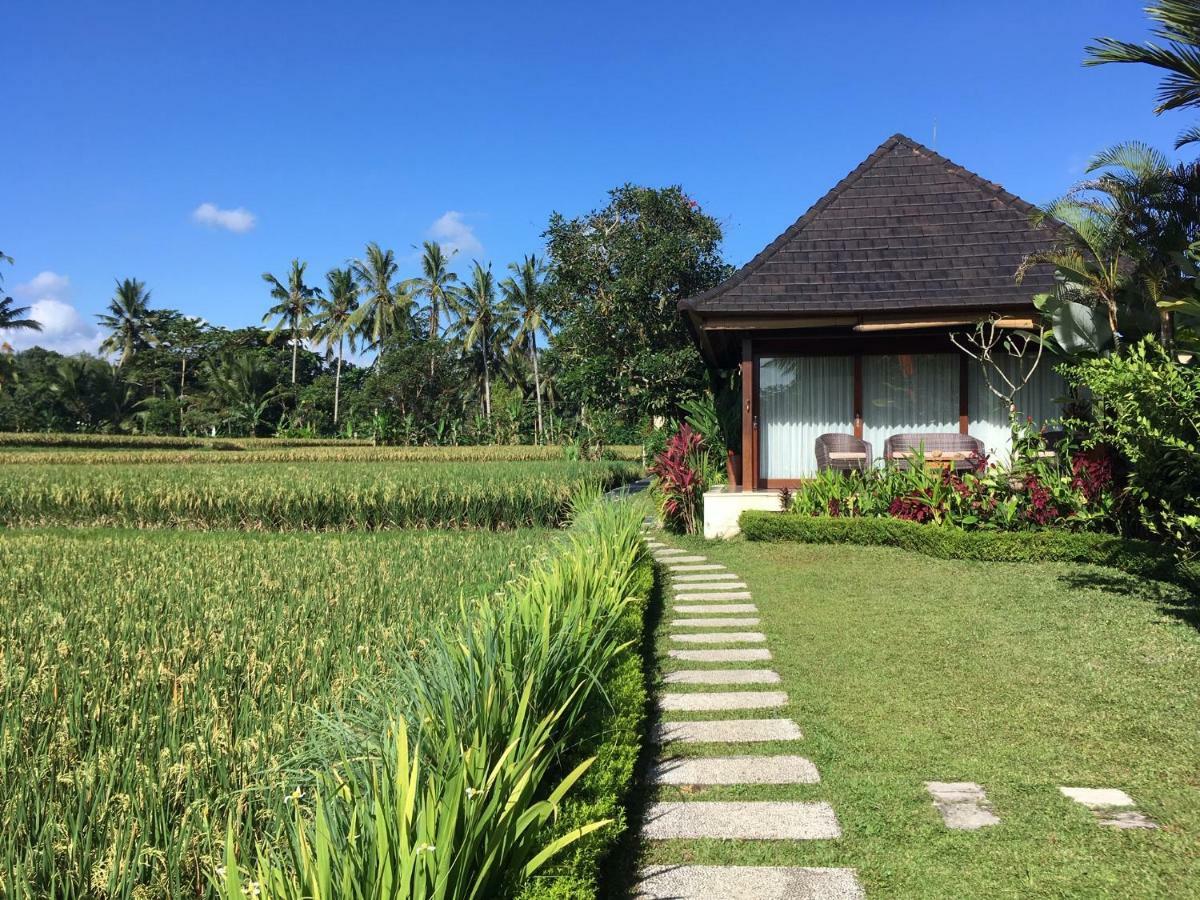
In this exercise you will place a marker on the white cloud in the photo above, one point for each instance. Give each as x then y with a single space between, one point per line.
239 220
63 328
455 235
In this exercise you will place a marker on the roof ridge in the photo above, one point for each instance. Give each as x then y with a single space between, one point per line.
764 256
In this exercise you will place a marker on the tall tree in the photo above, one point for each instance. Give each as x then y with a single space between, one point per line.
386 307
479 321
129 321
1177 24
16 317
523 294
334 322
436 284
616 277
294 307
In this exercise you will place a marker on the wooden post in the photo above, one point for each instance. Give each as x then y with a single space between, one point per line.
964 411
749 462
858 396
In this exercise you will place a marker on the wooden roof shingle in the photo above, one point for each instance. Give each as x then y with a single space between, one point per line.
906 230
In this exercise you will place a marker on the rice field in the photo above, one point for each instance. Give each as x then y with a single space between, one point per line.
312 496
149 679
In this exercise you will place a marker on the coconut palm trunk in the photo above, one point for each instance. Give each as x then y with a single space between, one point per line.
537 385
337 382
487 381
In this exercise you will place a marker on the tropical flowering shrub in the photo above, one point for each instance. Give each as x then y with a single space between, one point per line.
1073 490
680 480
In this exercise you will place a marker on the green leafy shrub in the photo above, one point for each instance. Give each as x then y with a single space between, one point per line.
1147 406
948 542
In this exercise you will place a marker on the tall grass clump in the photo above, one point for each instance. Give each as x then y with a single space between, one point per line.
447 780
302 497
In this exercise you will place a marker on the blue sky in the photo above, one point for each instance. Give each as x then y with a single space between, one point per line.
196 145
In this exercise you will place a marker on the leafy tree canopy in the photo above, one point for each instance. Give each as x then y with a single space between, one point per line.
616 276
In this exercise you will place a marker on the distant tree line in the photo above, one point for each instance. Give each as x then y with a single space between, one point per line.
584 344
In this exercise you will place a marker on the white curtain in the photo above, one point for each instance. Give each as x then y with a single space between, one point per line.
909 392
1041 398
801 397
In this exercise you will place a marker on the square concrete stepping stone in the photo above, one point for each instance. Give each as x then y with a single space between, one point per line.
683 558
735 770
668 553
696 567
763 820
706 608
703 576
722 676
721 637
713 595
694 586
729 731
963 804
748 654
720 700
714 623
1111 807
681 882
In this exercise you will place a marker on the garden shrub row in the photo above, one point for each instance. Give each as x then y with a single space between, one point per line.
494 762
950 542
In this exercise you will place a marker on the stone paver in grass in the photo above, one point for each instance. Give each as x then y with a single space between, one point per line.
721 637
762 820
684 882
963 804
696 567
668 553
673 560
713 595
745 622
747 654
693 586
728 731
722 676
1111 807
735 770
709 608
705 576
721 700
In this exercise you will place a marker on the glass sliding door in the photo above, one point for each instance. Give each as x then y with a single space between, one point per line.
908 392
800 398
1041 398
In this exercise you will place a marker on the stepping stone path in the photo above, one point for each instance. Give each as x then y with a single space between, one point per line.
1110 806
709 595
963 804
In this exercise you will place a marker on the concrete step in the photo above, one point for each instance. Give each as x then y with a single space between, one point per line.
711 701
722 637
696 567
762 820
735 770
689 596
694 586
729 731
683 882
716 608
722 676
705 576
748 622
747 654
963 805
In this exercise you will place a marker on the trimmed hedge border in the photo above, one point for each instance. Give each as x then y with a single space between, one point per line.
1140 558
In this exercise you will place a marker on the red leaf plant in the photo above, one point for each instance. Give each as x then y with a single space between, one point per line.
679 470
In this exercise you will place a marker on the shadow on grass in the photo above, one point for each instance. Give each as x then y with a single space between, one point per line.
618 879
1171 599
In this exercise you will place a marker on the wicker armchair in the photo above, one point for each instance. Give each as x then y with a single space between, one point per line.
955 449
843 452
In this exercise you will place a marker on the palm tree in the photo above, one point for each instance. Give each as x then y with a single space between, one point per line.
479 321
13 317
386 307
241 389
294 307
129 321
437 284
523 294
334 322
1178 25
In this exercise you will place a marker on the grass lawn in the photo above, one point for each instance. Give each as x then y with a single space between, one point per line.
902 669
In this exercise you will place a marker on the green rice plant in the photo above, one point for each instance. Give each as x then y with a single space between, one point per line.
149 441
496 705
155 685
301 497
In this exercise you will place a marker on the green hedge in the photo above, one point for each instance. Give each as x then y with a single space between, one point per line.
948 542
